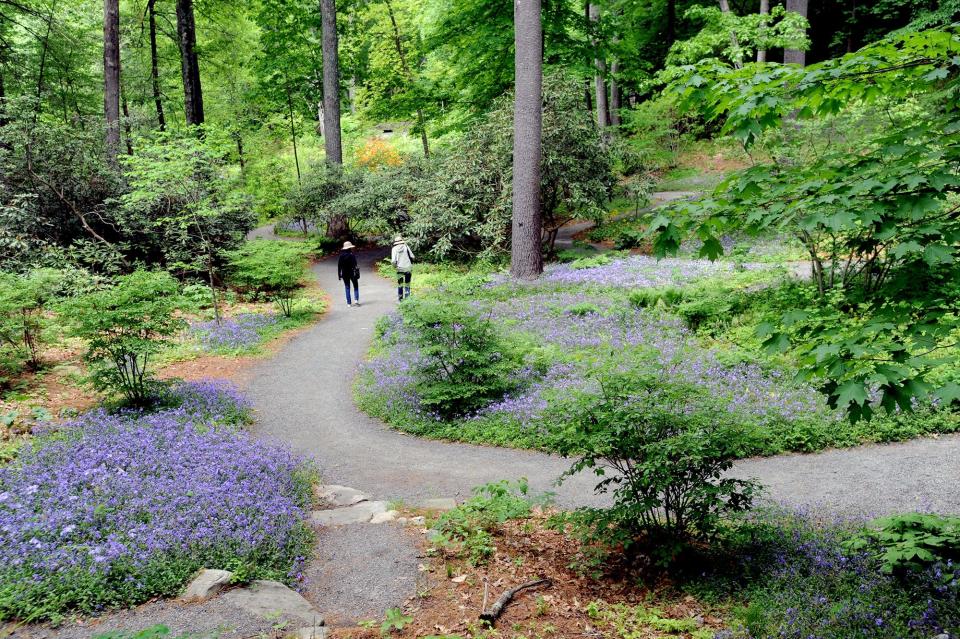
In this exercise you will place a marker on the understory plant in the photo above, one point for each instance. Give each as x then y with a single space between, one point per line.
662 451
125 326
23 302
464 362
272 268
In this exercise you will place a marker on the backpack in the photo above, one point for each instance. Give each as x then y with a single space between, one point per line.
404 259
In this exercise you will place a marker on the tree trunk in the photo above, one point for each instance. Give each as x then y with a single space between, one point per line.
189 63
239 138
293 133
526 253
331 83
796 56
600 85
764 10
127 132
111 78
614 93
737 61
44 47
398 43
155 64
671 22
588 96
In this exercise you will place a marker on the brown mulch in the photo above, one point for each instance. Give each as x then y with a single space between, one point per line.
527 550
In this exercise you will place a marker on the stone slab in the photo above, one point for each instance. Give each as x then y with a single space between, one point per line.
270 599
206 584
341 495
361 513
310 632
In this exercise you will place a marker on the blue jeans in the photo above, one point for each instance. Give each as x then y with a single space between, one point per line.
403 284
356 290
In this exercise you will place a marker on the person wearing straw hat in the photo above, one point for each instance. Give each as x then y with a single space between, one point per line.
402 259
349 272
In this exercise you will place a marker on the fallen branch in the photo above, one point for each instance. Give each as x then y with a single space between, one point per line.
496 609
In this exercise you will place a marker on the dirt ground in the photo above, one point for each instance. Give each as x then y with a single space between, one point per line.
455 593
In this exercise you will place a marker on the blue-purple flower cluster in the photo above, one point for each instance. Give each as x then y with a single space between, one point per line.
647 338
116 509
241 332
808 584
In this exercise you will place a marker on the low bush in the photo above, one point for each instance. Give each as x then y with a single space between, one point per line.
912 541
271 267
23 302
467 528
662 451
464 362
114 510
125 326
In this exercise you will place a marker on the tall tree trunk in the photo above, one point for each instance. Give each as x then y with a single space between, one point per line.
239 138
764 10
189 63
127 129
796 56
331 83
41 73
155 64
293 133
526 252
111 77
588 95
737 61
600 85
614 93
408 72
671 22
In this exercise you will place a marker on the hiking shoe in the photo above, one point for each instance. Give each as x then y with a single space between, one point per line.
356 303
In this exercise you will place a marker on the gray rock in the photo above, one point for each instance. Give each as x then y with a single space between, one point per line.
443 504
271 599
206 584
310 632
341 495
361 513
383 518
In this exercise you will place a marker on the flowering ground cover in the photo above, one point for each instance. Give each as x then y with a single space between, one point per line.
241 332
582 318
114 509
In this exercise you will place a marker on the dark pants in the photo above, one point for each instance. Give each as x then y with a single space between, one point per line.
356 289
403 284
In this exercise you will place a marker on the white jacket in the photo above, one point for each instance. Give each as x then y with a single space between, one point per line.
402 258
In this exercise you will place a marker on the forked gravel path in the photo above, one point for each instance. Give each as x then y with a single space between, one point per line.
304 396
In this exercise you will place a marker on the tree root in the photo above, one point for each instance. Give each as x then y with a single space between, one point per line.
498 606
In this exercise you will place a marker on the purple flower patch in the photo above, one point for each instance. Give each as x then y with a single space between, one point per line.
241 332
116 509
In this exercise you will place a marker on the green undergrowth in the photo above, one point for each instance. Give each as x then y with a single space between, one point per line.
548 343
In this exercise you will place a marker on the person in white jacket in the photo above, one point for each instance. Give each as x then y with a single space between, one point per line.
402 259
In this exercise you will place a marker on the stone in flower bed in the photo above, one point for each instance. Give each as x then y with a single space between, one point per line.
112 510
238 333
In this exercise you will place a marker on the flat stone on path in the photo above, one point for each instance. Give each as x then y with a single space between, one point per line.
311 632
361 513
341 495
268 599
206 584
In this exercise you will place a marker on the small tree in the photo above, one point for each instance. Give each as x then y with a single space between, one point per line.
23 300
274 268
662 451
124 326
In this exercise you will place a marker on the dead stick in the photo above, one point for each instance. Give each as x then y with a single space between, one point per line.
496 609
486 590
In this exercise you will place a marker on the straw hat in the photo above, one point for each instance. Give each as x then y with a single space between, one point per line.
348 245
398 239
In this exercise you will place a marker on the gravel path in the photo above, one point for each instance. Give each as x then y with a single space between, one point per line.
362 570
304 396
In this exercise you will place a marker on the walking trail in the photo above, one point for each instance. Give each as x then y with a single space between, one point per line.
304 397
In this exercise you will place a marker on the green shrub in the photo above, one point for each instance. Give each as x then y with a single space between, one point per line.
911 541
582 309
124 326
650 297
464 361
23 300
467 527
270 267
591 262
708 309
662 451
